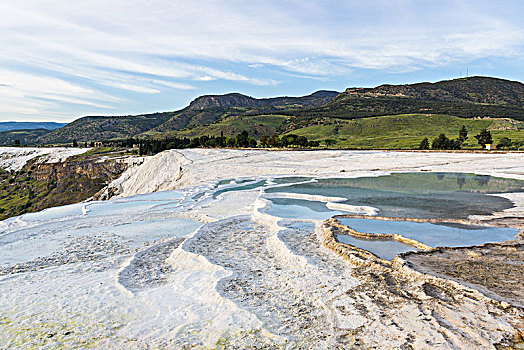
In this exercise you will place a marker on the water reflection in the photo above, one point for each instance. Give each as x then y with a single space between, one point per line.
419 195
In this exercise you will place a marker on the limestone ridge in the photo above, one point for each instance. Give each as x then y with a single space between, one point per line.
238 100
465 97
106 170
40 185
474 90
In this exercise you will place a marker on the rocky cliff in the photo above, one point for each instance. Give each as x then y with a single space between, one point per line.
38 186
107 170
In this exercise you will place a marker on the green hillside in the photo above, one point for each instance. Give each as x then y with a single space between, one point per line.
466 97
24 136
407 130
388 116
257 126
104 128
403 131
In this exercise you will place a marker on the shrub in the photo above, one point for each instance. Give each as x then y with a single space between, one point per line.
424 144
504 143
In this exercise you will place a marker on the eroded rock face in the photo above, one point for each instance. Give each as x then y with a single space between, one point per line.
40 185
90 169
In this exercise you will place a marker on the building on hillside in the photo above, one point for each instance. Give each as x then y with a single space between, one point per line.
491 146
98 144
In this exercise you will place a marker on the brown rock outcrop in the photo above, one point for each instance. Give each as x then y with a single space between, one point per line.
73 169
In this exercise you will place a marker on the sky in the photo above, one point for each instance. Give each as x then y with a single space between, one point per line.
61 60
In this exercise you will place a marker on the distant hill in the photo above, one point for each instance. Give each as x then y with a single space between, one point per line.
25 136
103 128
465 97
6 126
212 108
238 100
203 110
472 97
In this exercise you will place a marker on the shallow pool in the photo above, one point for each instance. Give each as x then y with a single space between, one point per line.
417 195
246 187
385 249
434 235
424 195
291 208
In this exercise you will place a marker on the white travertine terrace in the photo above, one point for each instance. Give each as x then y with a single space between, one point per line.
159 270
14 158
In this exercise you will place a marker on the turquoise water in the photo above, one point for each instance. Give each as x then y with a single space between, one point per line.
385 249
434 235
249 184
291 208
240 188
198 196
417 195
224 182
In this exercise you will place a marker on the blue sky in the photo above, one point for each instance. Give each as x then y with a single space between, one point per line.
60 60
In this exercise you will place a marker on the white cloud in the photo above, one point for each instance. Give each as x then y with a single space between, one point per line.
18 84
70 52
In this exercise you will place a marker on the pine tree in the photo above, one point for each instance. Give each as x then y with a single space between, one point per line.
463 134
263 140
484 138
504 143
440 142
424 144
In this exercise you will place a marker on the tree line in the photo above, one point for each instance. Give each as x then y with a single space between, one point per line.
443 142
241 140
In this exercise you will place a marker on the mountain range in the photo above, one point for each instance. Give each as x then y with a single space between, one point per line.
6 126
203 110
472 97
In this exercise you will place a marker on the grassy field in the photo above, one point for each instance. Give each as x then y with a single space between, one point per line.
256 126
407 130
404 131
